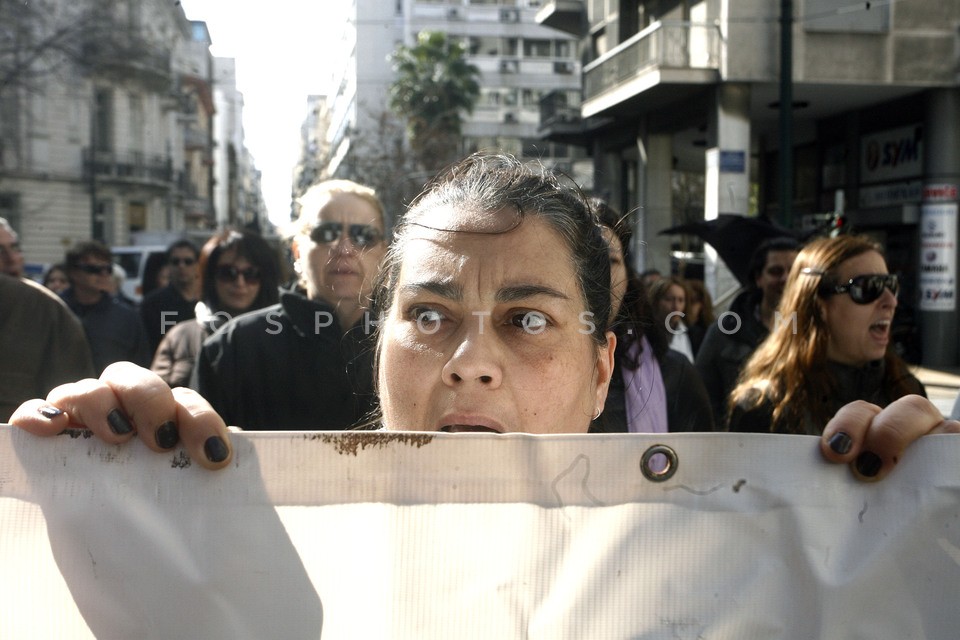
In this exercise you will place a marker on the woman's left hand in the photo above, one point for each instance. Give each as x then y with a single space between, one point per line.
873 439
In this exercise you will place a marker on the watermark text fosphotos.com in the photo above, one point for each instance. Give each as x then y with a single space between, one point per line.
532 322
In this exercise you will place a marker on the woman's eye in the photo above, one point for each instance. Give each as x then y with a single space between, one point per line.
428 320
530 321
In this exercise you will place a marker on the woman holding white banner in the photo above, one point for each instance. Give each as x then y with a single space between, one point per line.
493 306
832 346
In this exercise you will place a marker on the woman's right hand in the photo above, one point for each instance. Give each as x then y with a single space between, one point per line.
128 400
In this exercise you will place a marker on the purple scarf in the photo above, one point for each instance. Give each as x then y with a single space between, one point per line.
646 398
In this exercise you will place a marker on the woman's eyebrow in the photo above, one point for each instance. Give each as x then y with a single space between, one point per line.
518 292
448 290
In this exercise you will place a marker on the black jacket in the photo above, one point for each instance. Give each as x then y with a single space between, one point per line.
161 310
288 367
728 344
847 384
687 406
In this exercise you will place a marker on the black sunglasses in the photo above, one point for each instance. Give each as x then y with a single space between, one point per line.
229 273
862 289
97 269
361 235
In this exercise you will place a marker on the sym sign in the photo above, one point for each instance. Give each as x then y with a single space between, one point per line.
895 154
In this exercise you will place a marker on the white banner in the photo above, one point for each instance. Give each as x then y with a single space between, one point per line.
376 535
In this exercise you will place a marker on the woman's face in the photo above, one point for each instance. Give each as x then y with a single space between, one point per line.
335 268
618 271
57 281
237 282
674 301
490 333
858 333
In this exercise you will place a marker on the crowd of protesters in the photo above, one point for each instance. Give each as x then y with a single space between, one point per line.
300 355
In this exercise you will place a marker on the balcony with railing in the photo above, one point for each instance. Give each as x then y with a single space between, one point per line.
663 53
133 167
560 119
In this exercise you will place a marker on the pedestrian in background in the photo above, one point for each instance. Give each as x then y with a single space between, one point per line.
113 329
238 273
11 256
833 351
669 299
164 308
730 341
699 312
653 389
307 362
56 278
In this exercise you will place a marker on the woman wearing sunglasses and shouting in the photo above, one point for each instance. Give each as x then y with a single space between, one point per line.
238 273
306 362
831 345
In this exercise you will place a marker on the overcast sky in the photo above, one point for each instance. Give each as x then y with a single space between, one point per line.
280 51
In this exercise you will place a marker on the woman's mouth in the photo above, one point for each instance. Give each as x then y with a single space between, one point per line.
880 330
467 428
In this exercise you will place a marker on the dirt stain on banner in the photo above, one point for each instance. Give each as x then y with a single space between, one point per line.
351 443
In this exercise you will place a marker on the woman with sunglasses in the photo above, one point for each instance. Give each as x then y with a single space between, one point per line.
307 361
832 345
238 273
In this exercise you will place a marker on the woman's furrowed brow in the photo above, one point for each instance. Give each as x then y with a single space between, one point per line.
448 290
519 292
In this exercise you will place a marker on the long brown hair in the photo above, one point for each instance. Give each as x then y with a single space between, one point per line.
787 369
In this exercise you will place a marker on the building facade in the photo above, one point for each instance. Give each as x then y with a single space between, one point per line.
685 92
110 131
520 61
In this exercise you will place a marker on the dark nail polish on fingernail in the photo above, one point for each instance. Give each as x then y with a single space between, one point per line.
49 412
167 435
868 464
840 442
216 449
119 423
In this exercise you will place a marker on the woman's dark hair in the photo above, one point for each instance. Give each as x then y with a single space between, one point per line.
635 318
60 266
491 194
155 262
252 247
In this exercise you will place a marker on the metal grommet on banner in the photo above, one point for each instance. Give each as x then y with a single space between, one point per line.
659 463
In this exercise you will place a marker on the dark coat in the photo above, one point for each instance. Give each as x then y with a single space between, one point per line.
687 406
113 329
288 367
723 353
161 310
847 384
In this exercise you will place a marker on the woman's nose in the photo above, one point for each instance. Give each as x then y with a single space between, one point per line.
474 359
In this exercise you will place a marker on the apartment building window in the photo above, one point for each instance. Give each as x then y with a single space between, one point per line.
137 213
103 120
531 98
537 48
136 122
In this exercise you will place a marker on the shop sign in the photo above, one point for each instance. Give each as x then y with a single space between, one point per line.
888 195
940 193
733 161
938 257
894 154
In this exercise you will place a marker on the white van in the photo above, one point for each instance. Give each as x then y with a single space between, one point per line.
138 261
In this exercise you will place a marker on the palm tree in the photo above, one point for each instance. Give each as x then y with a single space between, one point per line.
435 85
